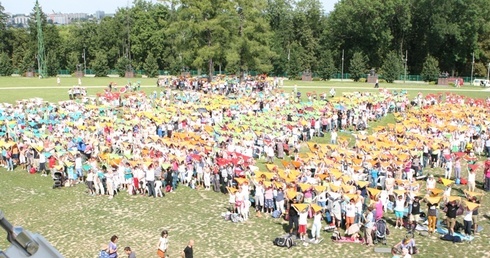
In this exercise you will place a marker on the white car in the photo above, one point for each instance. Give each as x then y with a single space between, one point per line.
481 82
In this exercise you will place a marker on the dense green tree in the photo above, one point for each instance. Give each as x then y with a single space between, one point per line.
73 59
450 32
267 36
151 66
204 29
326 66
279 14
123 65
250 43
392 67
53 63
5 65
100 65
358 66
373 27
430 70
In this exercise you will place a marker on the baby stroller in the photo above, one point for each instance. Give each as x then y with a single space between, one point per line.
381 232
59 179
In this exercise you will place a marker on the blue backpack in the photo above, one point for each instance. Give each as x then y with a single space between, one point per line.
103 254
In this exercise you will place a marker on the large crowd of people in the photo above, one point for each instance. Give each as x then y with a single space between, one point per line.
211 135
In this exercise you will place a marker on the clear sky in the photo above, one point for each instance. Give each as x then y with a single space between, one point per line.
87 6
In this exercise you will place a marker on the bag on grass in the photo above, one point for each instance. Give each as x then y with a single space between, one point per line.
276 214
285 241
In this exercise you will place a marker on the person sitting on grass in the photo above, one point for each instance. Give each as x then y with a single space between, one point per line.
129 252
407 243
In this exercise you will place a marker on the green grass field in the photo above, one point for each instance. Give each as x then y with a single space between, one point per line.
76 223
16 88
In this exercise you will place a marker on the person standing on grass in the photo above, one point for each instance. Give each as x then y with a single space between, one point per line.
293 218
350 213
188 251
399 210
368 226
452 209
316 226
163 244
129 252
468 221
471 180
303 221
474 217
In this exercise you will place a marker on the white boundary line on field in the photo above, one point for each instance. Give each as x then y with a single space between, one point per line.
283 87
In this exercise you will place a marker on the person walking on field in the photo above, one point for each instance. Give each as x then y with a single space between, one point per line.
163 244
188 251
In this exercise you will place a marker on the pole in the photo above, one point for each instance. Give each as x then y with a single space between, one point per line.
84 63
406 61
342 79
488 72
472 68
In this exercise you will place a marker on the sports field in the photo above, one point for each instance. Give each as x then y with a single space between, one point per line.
77 224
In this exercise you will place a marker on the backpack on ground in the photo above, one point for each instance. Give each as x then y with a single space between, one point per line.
276 214
285 241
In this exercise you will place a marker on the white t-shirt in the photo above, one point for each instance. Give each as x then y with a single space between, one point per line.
317 219
303 218
150 175
163 243
468 215
78 163
471 177
350 210
400 205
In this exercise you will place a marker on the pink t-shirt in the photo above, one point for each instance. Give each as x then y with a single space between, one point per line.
379 210
269 194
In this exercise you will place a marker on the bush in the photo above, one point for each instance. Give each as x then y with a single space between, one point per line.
382 81
362 80
316 79
432 83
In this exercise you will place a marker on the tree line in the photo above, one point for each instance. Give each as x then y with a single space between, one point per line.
277 37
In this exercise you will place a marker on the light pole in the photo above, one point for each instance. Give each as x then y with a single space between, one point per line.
472 68
488 72
342 78
405 61
84 62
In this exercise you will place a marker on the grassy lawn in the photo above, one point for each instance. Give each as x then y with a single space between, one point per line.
76 223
